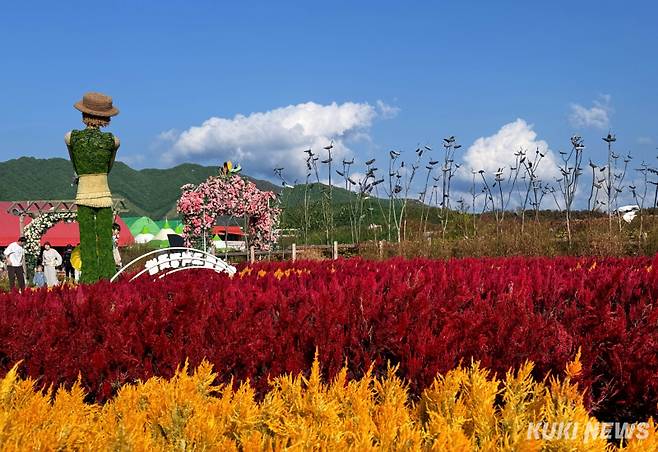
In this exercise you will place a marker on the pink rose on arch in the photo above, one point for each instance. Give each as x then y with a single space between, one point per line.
233 196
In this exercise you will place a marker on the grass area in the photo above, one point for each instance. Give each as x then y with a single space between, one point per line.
468 235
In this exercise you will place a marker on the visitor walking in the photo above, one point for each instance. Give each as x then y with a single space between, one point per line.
15 258
51 260
66 263
116 229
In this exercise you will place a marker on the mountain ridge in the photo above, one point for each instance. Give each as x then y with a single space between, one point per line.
152 192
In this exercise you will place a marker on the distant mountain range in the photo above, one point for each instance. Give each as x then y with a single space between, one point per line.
150 192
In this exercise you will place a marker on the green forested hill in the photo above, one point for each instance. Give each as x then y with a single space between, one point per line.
154 192
151 192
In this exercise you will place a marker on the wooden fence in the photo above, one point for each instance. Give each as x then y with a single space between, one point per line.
294 251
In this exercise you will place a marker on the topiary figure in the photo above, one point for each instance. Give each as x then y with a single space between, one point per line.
92 153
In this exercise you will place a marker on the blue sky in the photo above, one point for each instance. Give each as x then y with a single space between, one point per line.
399 73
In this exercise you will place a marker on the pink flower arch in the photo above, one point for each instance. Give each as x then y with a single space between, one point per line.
231 195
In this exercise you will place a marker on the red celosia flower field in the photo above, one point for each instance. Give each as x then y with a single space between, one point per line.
424 315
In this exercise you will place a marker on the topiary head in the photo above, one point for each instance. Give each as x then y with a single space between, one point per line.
95 122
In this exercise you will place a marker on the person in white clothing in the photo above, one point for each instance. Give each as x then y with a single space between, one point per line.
51 259
116 229
15 258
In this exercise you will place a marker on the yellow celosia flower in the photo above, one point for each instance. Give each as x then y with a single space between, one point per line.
465 409
245 272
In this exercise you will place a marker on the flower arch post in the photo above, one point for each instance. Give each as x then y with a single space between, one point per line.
36 229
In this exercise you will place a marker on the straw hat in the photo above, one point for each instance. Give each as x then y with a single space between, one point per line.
97 104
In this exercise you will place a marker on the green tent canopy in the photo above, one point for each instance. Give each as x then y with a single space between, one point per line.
129 221
138 226
166 223
144 237
161 239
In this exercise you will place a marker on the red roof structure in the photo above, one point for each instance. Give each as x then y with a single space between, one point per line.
230 230
60 235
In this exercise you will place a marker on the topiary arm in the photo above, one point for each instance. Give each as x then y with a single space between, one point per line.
117 143
67 140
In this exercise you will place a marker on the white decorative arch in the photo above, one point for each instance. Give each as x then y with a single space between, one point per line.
173 260
38 227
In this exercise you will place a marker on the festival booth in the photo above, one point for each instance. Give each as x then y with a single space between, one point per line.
159 238
62 233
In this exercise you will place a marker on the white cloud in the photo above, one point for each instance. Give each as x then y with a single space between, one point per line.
276 138
644 140
598 116
497 151
168 135
387 111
